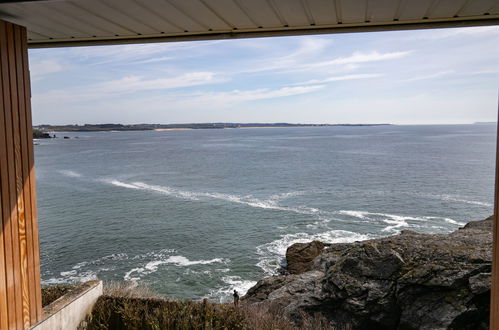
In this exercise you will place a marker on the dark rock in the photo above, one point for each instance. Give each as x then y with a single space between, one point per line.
38 134
300 256
407 281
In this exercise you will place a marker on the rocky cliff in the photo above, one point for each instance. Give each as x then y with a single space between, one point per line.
407 281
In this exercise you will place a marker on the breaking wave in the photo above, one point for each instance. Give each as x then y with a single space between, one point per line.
137 273
231 283
272 254
396 222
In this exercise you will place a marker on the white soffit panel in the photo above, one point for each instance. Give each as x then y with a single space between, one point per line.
53 23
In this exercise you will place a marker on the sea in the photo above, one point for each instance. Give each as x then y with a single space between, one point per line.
198 213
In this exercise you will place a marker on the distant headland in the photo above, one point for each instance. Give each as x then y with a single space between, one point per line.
149 127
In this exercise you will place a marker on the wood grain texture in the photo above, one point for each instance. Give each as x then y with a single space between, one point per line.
8 184
20 293
4 260
22 177
28 174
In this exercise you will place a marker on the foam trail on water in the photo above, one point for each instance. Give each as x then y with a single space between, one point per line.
456 198
461 200
71 174
395 221
152 266
271 204
71 277
357 214
121 184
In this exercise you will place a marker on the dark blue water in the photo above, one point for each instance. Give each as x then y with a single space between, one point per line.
197 213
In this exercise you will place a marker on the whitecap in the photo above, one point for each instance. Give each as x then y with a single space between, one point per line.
71 277
152 266
395 225
183 261
356 214
395 221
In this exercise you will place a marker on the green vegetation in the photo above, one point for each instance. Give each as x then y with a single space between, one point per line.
39 134
137 307
52 293
153 313
147 127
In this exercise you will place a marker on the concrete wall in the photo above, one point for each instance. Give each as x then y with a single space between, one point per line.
67 312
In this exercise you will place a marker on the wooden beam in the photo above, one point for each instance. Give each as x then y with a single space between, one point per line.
20 293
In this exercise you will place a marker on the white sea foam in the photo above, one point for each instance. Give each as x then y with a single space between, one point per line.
455 198
272 254
71 174
395 224
71 277
69 273
90 269
232 283
121 184
395 221
461 200
271 203
150 267
356 214
87 270
454 222
183 261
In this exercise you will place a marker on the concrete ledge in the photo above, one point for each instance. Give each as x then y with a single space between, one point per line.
67 312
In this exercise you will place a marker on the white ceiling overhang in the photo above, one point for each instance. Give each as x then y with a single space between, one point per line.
55 23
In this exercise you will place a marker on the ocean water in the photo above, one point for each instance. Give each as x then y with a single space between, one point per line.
198 213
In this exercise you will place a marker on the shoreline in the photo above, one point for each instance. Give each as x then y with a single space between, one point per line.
70 129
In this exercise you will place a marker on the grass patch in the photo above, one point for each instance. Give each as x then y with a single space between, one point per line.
153 313
54 292
124 306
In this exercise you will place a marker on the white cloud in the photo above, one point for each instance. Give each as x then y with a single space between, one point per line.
126 85
134 84
125 53
236 96
340 78
189 101
456 32
308 48
360 57
39 69
155 60
480 72
430 76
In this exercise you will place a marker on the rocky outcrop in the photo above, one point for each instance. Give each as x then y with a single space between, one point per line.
38 134
300 256
407 281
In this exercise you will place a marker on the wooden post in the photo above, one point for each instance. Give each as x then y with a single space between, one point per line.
494 291
20 293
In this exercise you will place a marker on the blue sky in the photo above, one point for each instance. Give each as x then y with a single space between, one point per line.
404 77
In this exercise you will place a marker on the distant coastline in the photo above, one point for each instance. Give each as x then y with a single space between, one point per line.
160 127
